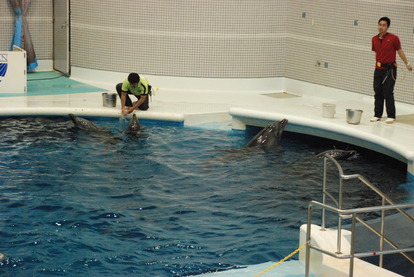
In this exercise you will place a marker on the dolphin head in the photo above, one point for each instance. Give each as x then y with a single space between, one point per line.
134 125
73 117
269 138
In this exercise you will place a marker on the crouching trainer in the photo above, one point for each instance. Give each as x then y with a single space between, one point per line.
137 86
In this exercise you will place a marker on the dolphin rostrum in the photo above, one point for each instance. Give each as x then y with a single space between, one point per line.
269 138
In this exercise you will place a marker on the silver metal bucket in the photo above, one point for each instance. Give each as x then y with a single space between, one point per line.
109 99
353 116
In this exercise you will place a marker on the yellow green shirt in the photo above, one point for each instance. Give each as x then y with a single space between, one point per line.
142 87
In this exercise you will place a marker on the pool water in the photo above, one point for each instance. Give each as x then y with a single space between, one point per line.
168 202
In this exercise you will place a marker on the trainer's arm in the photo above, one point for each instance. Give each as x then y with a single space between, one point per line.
404 58
139 102
128 110
124 109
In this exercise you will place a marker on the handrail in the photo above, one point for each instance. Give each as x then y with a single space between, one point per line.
342 176
374 188
352 253
363 210
353 213
385 238
371 209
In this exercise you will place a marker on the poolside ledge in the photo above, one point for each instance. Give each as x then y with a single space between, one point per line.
360 135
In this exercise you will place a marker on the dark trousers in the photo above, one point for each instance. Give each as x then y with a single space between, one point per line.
144 106
384 91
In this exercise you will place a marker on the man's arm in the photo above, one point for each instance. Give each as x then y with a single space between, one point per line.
128 110
139 102
124 110
404 58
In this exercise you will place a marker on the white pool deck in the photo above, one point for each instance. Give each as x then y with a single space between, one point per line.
182 100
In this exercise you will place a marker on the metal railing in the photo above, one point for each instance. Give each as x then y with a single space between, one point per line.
353 214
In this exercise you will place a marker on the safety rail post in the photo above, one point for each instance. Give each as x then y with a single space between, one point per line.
352 250
325 159
338 203
381 256
308 239
339 241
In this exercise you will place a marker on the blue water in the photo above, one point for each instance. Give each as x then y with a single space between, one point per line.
169 202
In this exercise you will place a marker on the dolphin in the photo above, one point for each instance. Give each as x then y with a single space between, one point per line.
338 154
102 133
83 124
134 125
269 138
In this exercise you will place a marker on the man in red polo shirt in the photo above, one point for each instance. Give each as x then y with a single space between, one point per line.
386 45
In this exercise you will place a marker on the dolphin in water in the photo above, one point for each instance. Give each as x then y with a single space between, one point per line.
83 124
134 128
134 125
269 138
338 154
102 133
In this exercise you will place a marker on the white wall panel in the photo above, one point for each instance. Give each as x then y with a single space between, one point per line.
228 38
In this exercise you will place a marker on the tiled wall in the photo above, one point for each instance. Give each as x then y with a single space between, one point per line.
215 38
319 41
40 22
339 33
6 25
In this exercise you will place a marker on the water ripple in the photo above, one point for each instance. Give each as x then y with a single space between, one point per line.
170 203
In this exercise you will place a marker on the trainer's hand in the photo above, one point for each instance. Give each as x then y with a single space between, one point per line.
409 67
125 111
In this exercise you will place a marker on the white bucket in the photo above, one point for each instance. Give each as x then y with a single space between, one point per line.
328 110
109 99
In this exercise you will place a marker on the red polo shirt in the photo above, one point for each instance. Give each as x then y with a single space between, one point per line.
386 48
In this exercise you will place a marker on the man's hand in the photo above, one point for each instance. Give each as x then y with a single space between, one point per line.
126 111
409 67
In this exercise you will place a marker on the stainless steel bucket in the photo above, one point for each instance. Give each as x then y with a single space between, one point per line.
353 116
109 99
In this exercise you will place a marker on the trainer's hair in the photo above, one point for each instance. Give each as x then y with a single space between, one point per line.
385 19
133 78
